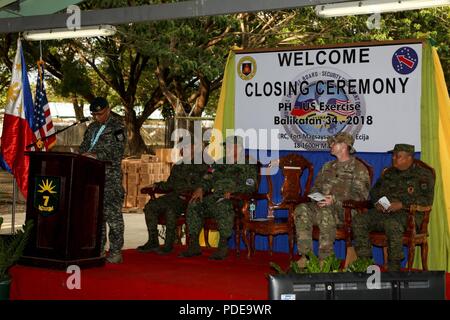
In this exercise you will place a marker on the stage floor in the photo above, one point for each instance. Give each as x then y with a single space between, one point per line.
154 277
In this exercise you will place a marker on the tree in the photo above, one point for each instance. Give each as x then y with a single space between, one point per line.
5 65
309 29
179 64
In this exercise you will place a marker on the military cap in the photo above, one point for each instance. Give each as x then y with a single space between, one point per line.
403 147
343 137
98 104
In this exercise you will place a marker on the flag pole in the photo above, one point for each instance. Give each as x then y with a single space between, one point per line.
13 211
40 50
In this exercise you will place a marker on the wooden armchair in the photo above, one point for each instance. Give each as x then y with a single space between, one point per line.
292 166
153 192
344 231
412 237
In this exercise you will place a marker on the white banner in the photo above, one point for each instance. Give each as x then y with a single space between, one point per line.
373 92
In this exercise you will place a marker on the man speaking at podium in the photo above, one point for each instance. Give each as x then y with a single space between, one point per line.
105 139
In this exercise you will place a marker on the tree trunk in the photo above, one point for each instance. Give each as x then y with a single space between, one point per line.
136 145
77 107
203 97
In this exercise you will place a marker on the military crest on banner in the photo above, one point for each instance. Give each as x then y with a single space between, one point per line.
246 68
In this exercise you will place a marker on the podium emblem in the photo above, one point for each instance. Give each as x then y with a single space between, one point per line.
46 194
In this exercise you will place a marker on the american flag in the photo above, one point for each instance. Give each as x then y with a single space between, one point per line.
42 124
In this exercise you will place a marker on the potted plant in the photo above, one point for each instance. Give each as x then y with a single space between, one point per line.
325 280
320 279
331 264
11 249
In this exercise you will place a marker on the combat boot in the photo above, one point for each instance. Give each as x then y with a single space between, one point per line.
350 257
394 265
193 248
168 245
222 251
151 245
115 258
301 263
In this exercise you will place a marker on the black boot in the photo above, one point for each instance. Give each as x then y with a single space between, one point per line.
151 245
221 252
193 248
168 245
394 265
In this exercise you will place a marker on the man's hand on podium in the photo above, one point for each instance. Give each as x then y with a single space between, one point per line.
90 155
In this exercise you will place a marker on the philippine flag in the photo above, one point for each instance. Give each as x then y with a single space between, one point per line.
17 123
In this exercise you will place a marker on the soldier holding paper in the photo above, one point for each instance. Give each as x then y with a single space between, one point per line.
338 180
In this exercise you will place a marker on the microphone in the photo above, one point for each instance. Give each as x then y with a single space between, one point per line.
40 142
82 120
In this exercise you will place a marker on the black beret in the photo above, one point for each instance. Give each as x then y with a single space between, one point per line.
98 104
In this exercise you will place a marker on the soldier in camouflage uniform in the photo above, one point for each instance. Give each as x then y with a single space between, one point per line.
338 180
105 139
405 183
184 177
229 175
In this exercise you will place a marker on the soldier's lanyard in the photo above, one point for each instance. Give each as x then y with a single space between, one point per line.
96 137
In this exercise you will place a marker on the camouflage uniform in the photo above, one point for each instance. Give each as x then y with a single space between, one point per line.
110 146
183 178
342 180
412 186
221 178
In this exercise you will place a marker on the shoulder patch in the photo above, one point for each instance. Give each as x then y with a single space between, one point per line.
423 184
250 182
119 135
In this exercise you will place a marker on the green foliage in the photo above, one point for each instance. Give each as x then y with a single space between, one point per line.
277 268
327 265
309 29
360 265
11 248
188 50
295 268
330 264
167 112
313 265
76 79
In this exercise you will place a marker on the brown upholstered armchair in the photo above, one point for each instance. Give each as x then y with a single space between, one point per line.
413 236
292 166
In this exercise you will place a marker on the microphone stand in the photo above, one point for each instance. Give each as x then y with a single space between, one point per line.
39 143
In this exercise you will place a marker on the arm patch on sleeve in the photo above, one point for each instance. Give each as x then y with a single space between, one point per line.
424 186
119 135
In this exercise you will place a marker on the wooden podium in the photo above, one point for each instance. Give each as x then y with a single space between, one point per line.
65 202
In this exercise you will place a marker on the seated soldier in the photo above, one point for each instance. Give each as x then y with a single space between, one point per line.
226 176
403 184
185 177
338 180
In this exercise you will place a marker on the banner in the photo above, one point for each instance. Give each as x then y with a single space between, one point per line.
370 91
